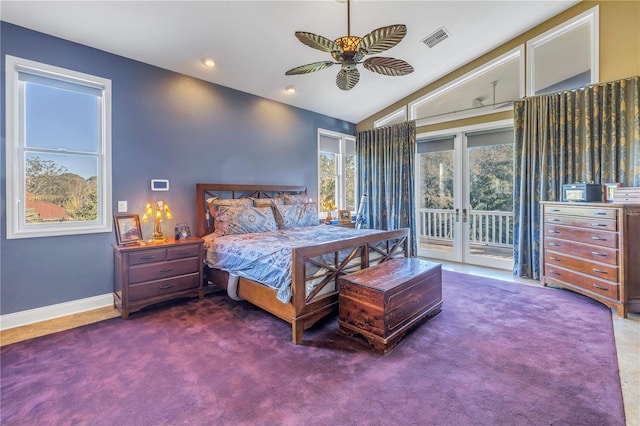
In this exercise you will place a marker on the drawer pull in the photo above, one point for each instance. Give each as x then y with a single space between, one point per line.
167 269
554 258
600 213
148 257
554 220
183 252
600 271
595 253
598 239
554 273
166 287
555 210
554 244
554 232
599 224
600 287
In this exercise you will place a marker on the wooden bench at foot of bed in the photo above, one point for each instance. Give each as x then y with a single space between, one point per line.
382 303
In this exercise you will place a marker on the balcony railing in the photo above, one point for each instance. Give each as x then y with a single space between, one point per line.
488 227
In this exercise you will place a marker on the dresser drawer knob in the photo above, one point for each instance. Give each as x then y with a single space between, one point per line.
554 258
599 224
148 257
554 220
166 287
600 213
166 270
554 232
598 239
595 253
555 273
184 252
555 210
554 244
600 287
600 271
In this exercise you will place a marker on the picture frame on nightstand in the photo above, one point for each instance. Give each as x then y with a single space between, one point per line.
128 229
344 216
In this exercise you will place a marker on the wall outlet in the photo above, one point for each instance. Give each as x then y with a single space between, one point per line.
122 206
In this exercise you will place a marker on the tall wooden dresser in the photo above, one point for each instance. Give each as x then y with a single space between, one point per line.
593 249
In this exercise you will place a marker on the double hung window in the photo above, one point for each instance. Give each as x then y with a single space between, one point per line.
58 151
336 170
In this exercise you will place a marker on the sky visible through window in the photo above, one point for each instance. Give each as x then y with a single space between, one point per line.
60 119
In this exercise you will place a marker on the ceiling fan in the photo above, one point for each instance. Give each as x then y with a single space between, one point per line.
349 51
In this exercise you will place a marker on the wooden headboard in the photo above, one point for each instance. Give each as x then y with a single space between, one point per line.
204 224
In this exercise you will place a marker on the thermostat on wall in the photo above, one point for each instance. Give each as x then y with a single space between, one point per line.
159 184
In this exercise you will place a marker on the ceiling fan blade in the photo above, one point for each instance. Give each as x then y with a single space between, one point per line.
318 42
347 79
382 39
388 66
306 69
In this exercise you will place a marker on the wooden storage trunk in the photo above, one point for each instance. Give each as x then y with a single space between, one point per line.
383 302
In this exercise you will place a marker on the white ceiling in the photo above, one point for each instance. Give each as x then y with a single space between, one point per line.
253 42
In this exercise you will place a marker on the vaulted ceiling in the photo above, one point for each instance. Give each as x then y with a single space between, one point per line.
253 42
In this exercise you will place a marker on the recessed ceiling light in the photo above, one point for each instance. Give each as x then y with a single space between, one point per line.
291 89
209 62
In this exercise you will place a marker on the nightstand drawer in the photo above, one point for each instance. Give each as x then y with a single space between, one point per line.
147 256
156 271
162 287
180 252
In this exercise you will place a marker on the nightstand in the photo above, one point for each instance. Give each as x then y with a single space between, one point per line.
156 272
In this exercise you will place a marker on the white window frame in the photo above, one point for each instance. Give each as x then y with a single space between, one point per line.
397 116
341 196
15 156
591 15
516 53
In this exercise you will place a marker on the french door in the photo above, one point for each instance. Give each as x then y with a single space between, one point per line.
465 195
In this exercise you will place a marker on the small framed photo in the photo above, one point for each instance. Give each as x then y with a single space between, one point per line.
182 231
128 229
344 216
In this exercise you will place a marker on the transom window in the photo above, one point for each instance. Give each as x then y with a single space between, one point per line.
58 151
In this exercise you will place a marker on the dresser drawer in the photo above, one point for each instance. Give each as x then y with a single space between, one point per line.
584 222
581 250
584 211
603 271
191 250
147 256
590 236
156 271
560 276
162 287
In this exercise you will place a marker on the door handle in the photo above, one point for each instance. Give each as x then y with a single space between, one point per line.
457 215
464 215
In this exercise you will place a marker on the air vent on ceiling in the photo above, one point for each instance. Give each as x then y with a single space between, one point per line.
435 38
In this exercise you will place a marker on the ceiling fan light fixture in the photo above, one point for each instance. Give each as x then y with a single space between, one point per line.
349 43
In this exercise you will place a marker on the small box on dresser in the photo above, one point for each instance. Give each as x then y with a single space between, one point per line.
153 273
593 249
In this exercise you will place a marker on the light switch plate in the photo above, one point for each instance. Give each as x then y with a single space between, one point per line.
122 206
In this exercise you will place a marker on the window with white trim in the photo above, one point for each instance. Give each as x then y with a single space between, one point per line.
336 171
58 151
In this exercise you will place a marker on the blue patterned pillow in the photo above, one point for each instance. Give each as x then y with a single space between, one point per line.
267 202
294 198
294 215
244 220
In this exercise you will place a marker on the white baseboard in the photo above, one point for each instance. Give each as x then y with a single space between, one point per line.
45 313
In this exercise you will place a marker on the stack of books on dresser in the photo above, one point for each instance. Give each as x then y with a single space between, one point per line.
627 194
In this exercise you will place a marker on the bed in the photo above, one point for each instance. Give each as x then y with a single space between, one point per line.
308 287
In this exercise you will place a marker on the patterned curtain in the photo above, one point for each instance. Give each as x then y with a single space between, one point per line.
386 165
590 134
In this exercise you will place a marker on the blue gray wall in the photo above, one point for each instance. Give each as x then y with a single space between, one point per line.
164 125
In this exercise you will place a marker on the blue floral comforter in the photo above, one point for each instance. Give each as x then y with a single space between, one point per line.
266 257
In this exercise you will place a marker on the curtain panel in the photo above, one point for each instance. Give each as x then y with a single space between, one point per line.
385 159
591 134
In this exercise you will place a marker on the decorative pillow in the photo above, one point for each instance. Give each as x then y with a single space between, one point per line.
267 202
244 220
214 203
294 198
293 215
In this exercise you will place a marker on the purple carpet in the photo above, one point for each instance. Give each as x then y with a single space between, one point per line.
498 354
